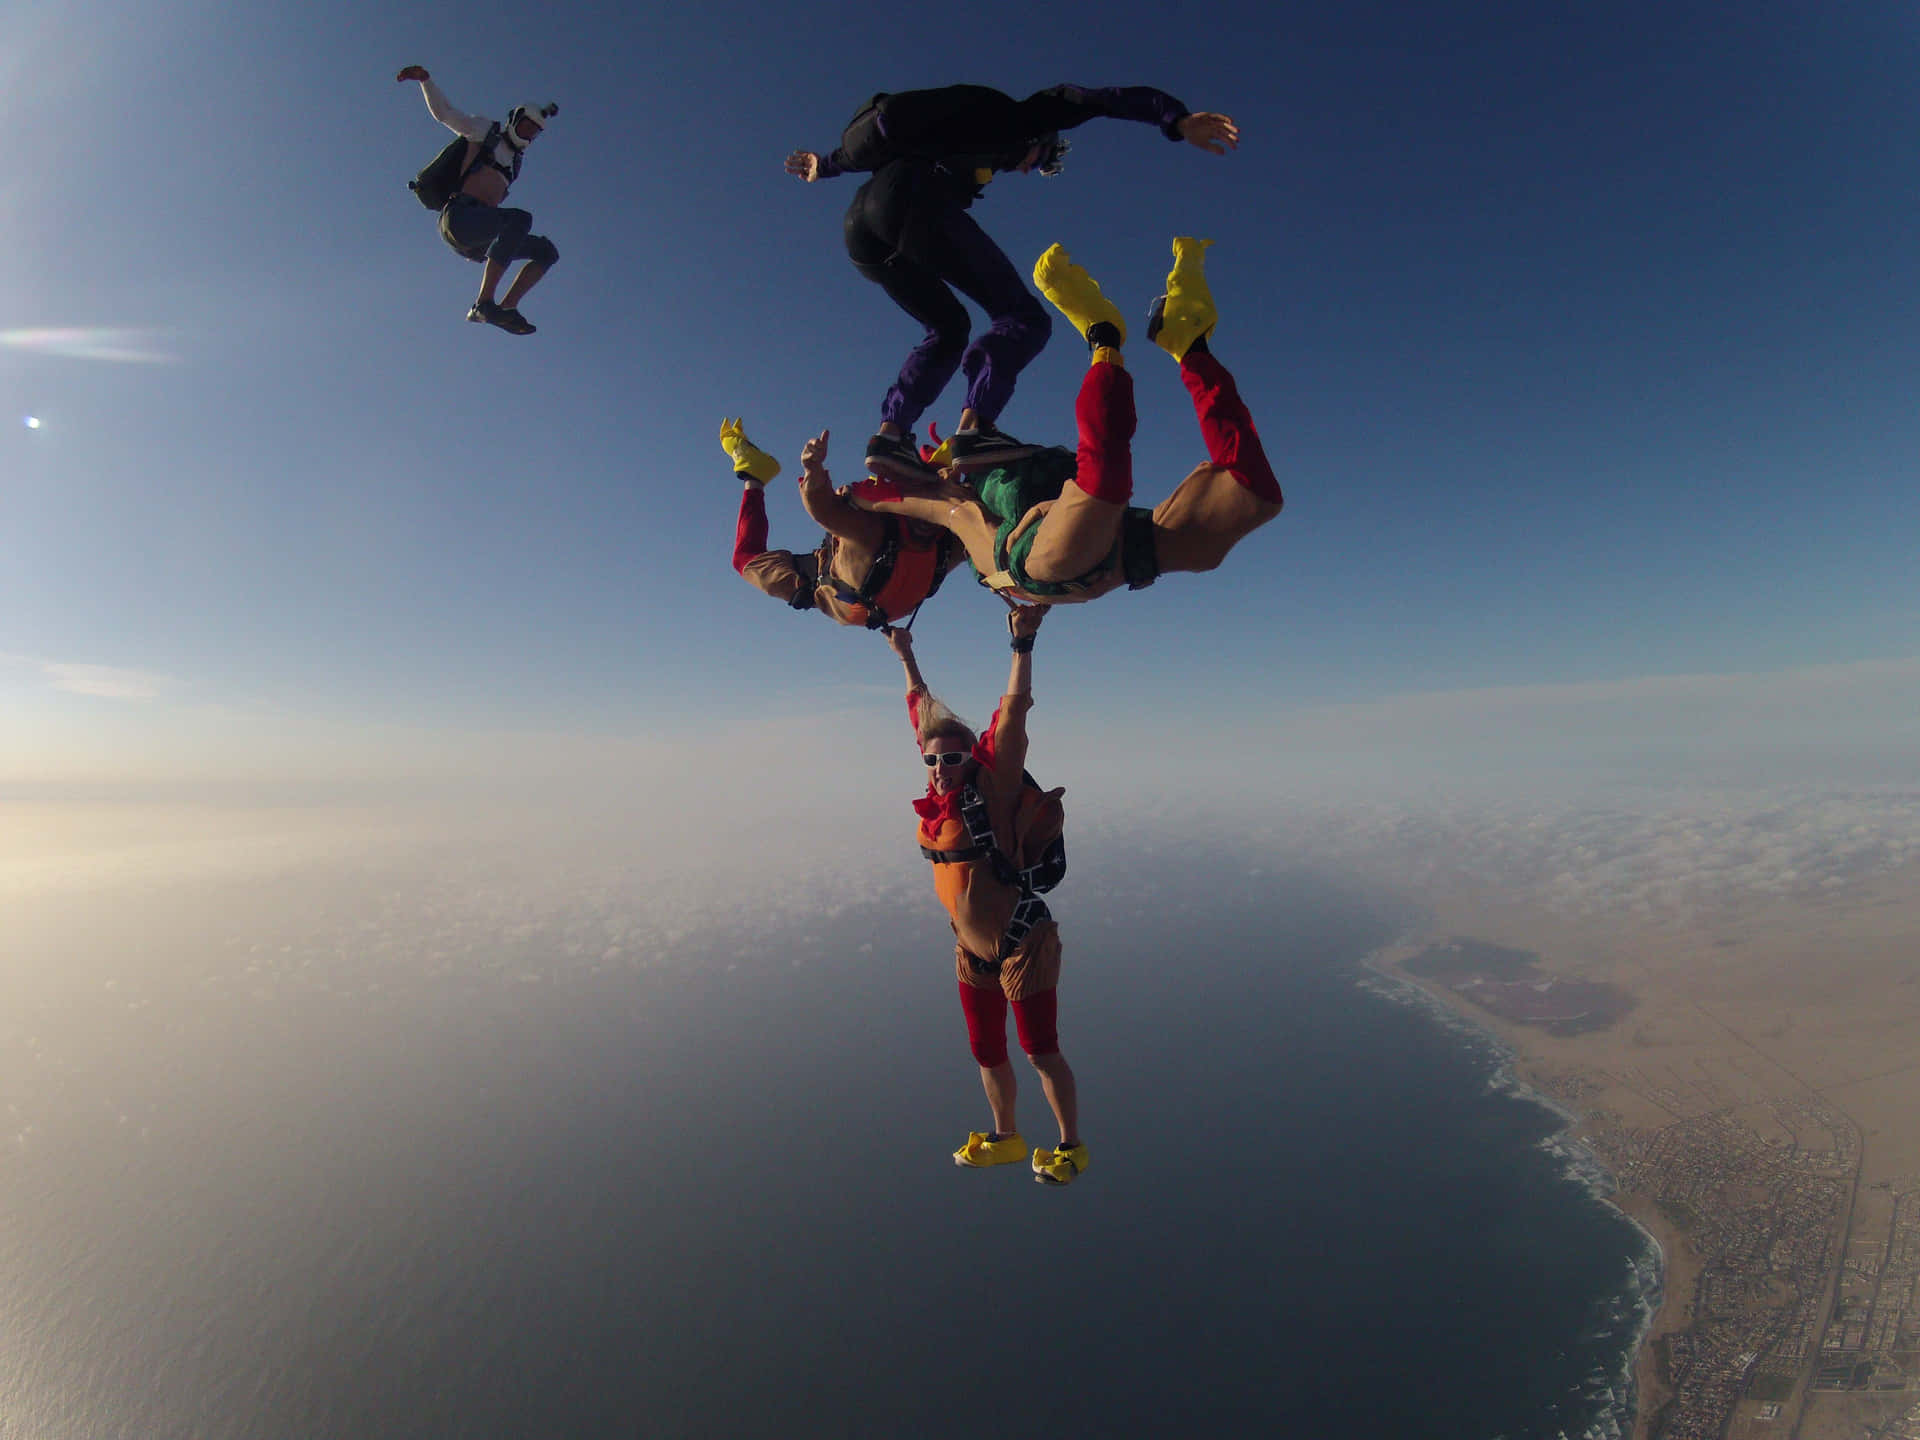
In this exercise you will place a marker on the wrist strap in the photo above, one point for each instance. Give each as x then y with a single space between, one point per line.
1022 644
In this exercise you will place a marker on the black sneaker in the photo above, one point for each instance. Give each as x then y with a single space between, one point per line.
513 322
897 455
486 312
987 446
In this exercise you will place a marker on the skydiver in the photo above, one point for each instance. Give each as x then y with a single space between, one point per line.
932 154
870 569
1056 527
981 824
474 222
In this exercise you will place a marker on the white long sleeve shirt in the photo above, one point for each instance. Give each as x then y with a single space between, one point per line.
505 160
474 127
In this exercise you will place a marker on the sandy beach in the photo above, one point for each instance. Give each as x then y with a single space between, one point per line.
1758 1104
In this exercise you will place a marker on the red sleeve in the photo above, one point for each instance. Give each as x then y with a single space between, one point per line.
750 535
1006 736
913 711
983 747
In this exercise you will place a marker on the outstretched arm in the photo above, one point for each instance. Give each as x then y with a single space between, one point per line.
828 508
1064 106
1008 743
473 127
1023 624
964 516
901 643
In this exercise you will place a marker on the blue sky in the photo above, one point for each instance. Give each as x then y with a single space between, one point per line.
1582 339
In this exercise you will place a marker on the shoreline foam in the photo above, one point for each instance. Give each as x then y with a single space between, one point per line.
1615 1393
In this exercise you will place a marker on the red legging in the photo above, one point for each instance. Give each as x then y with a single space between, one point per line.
750 535
1232 441
1035 1017
1105 415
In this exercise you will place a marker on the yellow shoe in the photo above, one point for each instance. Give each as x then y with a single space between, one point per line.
979 1152
1061 1166
1186 312
1074 293
749 460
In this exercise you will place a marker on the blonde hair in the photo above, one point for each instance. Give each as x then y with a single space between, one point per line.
937 720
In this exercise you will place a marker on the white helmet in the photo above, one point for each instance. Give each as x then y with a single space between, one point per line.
538 114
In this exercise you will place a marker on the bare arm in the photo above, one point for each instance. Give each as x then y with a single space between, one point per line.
1023 623
828 508
901 642
1009 743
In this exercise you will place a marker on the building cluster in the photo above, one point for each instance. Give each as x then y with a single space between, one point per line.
1764 1218
1874 1340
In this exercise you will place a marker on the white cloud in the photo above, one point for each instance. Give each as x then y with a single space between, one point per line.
1654 854
107 682
1656 796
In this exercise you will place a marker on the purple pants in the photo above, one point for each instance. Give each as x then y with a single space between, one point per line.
909 232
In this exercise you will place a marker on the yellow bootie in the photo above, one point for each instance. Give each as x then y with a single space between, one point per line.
1074 293
979 1152
1186 312
1061 1166
749 460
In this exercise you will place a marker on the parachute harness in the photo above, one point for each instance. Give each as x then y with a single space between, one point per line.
1028 911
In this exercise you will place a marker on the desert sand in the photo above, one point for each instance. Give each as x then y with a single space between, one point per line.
1760 1107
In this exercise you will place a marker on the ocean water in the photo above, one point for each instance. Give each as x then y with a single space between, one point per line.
338 1188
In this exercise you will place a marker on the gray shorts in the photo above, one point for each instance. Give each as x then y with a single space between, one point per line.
493 232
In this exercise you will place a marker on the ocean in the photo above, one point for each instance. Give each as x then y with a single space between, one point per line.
299 1176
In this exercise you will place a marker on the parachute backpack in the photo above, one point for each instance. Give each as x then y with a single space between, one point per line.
1040 823
918 125
440 181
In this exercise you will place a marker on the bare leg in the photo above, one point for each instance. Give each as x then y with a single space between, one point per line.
1056 1078
528 277
490 276
1224 501
967 519
1210 513
1077 533
1002 1087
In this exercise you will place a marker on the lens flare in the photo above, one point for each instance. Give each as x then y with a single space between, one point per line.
89 342
33 422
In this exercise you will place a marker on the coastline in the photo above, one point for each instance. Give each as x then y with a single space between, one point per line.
1751 1070
1619 1412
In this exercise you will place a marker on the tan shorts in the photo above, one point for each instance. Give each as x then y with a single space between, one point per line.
1034 967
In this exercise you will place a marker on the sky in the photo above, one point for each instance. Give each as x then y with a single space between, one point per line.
1580 338
352 655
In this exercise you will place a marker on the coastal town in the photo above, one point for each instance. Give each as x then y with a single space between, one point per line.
1775 1326
1792 1263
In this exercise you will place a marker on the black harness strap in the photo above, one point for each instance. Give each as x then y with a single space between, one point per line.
1029 910
489 148
880 572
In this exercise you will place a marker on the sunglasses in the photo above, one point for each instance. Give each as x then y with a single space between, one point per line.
947 758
